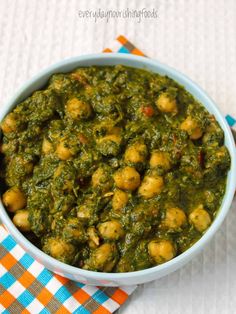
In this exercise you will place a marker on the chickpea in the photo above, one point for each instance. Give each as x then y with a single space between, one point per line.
46 147
151 186
161 251
102 179
59 249
103 258
160 159
4 148
111 230
63 151
165 104
9 148
200 218
97 177
175 218
14 199
192 128
21 221
136 153
78 109
9 124
127 178
119 200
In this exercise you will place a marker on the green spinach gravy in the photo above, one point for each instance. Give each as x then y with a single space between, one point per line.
112 169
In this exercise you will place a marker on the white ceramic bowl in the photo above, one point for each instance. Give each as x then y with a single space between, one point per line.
138 277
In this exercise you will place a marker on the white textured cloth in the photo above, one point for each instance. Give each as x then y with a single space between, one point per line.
195 37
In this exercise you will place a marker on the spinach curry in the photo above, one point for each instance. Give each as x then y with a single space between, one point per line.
112 169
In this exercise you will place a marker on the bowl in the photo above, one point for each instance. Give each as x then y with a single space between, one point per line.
141 276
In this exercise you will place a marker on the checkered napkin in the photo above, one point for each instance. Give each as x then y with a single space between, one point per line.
26 286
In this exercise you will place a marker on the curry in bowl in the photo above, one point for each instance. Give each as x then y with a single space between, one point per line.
112 169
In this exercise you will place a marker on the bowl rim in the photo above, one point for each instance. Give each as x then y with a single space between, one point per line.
181 79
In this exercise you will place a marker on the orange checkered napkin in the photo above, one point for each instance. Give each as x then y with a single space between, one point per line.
26 286
123 45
